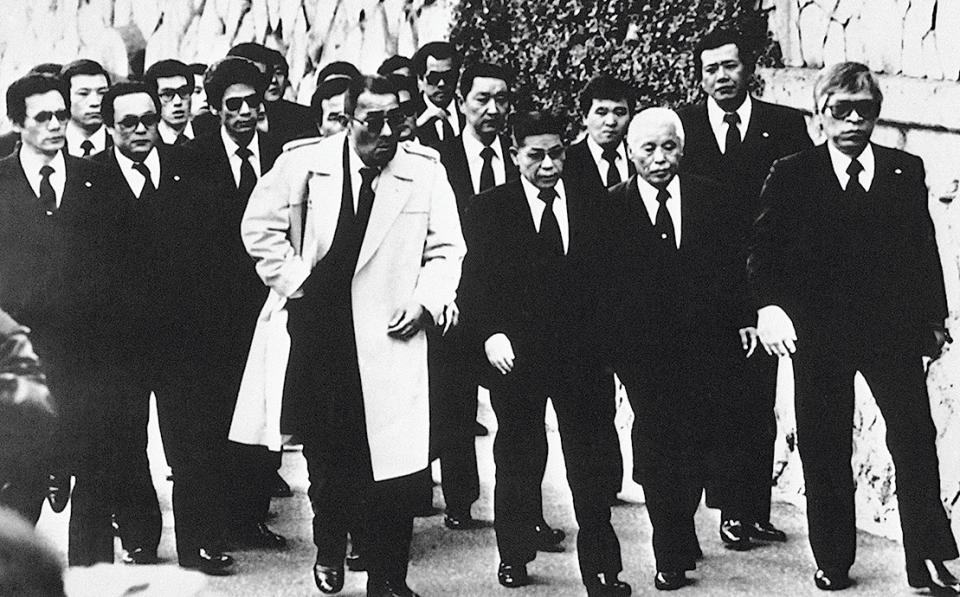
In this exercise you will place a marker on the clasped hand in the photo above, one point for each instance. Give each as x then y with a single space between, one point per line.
775 331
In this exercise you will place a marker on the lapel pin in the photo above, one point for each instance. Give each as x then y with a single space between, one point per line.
897 171
765 134
176 178
87 184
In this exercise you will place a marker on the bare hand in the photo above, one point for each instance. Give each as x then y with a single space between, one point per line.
449 318
407 321
499 353
748 339
775 331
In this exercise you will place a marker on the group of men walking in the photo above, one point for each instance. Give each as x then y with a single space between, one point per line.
419 248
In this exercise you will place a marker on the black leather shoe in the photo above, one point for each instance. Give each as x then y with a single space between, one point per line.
329 579
460 522
209 561
259 535
389 588
834 580
58 492
942 581
548 538
355 562
140 556
512 576
765 531
669 581
280 489
479 430
607 585
734 535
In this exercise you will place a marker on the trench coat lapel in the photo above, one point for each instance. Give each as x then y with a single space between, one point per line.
392 195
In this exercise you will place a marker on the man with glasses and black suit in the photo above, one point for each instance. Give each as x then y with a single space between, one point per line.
172 81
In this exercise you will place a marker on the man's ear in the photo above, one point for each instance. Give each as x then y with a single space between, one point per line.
514 151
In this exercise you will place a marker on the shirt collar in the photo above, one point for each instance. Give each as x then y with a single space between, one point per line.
75 138
648 192
169 135
473 146
31 162
532 192
231 146
152 162
841 162
597 152
715 113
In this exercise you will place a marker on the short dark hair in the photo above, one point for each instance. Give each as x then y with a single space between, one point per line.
606 87
720 37
438 50
254 52
483 69
28 86
394 63
167 68
851 77
126 88
197 68
46 68
278 61
230 71
372 83
528 124
325 91
337 70
82 67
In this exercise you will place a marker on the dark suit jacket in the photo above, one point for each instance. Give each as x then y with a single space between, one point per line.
9 143
454 159
772 133
580 162
427 134
800 260
510 286
289 120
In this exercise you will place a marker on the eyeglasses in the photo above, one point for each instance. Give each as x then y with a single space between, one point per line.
45 116
867 109
375 120
182 92
234 104
447 76
538 155
131 122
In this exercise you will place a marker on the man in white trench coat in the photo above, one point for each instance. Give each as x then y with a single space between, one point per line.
380 257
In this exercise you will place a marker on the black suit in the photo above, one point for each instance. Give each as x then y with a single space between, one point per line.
580 162
746 426
545 305
234 295
453 371
289 120
9 143
428 135
859 276
669 316
58 276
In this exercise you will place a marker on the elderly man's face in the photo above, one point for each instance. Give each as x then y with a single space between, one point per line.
375 126
656 149
848 120
540 159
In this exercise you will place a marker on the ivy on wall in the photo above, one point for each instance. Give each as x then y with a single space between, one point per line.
556 46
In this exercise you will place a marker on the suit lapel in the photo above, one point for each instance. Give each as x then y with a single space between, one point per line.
509 168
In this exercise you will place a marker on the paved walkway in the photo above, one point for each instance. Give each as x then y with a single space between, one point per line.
464 563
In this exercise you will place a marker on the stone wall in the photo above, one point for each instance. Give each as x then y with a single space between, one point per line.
915 46
125 35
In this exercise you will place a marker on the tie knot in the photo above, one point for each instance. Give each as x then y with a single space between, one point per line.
547 196
731 118
487 153
610 155
142 169
244 152
368 174
855 168
46 171
663 196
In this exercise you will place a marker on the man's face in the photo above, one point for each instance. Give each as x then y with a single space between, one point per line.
656 150
86 93
176 94
45 123
486 105
199 100
408 130
723 76
374 127
439 81
607 121
278 82
333 118
540 159
134 127
848 120
240 110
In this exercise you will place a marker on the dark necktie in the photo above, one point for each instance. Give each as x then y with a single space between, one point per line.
248 178
87 147
148 188
854 188
48 197
733 131
550 236
447 129
664 223
486 171
613 175
181 139
365 199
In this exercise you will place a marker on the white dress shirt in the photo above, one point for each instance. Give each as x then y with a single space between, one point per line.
715 114
841 162
31 162
648 194
603 166
169 136
231 148
452 117
537 207
472 147
75 138
134 179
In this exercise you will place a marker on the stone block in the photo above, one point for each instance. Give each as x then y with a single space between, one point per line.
857 39
835 45
917 22
948 38
813 23
846 10
882 27
783 25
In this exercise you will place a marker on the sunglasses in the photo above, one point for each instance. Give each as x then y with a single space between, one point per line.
375 120
234 104
867 109
538 155
182 92
447 76
131 122
45 116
